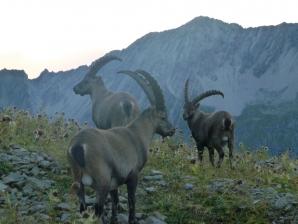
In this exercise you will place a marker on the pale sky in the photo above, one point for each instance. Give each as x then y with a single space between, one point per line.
64 34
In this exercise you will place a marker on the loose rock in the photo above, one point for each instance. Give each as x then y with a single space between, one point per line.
150 189
154 220
188 186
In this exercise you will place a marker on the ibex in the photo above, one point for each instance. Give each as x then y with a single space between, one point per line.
108 109
106 159
211 130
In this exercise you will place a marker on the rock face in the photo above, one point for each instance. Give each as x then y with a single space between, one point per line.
282 206
14 89
254 66
27 183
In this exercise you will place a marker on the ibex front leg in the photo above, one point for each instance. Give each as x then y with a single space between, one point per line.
200 148
81 196
115 201
131 190
211 155
231 149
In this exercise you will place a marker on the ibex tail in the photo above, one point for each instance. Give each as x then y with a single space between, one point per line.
127 108
227 123
77 153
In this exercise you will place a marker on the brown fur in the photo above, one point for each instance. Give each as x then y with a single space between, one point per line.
115 157
211 130
109 109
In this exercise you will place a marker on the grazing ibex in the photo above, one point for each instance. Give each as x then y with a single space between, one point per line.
211 130
106 159
108 109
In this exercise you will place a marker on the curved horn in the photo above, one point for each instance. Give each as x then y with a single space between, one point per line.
142 82
99 63
159 99
186 99
207 94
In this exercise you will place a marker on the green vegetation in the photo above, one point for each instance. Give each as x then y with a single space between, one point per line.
217 195
271 125
38 132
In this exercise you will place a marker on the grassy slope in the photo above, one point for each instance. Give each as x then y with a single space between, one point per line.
199 205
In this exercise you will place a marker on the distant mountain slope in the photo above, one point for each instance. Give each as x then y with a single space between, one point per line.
254 66
14 89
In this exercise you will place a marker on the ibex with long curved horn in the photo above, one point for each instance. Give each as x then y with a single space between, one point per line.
106 159
211 130
108 109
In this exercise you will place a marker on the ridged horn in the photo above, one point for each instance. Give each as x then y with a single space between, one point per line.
207 94
159 99
186 98
99 63
144 83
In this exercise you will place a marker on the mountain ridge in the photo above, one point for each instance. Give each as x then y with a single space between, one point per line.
251 66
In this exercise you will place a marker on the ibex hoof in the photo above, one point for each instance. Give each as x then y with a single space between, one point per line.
82 207
114 220
232 166
133 222
192 161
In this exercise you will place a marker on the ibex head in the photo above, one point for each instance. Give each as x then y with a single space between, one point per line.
190 107
158 109
90 80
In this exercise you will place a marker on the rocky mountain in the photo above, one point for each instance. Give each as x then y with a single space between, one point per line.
14 89
254 67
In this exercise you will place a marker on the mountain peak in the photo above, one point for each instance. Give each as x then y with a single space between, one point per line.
208 21
45 71
15 72
205 19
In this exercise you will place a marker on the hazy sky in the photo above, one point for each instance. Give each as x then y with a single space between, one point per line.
64 34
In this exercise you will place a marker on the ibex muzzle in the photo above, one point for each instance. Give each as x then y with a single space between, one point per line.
86 85
164 128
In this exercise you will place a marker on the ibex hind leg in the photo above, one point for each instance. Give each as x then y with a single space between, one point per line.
221 155
131 190
231 158
200 148
101 195
78 187
81 196
211 155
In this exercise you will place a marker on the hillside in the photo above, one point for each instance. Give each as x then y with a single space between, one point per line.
35 181
254 66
